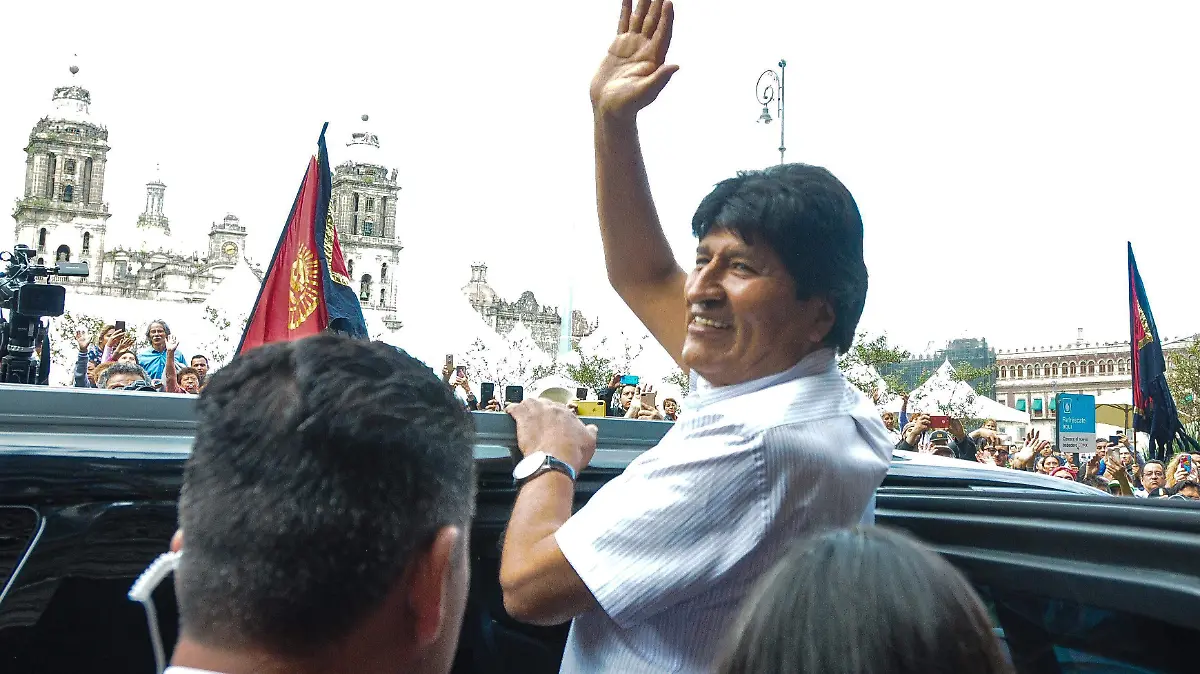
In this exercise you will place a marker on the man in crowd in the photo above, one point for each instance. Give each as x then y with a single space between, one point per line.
1154 477
777 445
200 365
153 358
325 514
617 397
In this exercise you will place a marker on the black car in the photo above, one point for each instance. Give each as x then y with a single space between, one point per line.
1076 580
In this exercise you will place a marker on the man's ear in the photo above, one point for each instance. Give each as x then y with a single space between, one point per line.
429 584
177 541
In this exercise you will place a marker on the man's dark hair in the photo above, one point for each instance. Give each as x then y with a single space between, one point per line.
121 368
808 217
166 328
1160 464
201 357
325 466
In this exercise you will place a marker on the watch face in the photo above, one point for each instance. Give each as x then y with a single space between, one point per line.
230 249
529 465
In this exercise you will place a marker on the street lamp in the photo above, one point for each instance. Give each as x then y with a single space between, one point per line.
769 83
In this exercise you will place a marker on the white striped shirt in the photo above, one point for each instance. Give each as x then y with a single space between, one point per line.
672 546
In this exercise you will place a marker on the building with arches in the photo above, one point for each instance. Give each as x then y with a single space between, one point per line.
1028 378
63 216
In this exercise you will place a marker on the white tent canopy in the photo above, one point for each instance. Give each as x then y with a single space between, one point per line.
941 392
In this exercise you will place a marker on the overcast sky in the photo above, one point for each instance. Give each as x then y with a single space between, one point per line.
1001 153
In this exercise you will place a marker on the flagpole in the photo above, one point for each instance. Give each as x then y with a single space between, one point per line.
1132 347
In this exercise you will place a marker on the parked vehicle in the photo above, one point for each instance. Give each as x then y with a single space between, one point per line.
1077 580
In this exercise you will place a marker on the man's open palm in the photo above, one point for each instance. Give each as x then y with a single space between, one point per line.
634 70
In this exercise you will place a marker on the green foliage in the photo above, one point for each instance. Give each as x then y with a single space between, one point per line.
1183 378
982 379
873 354
595 367
679 378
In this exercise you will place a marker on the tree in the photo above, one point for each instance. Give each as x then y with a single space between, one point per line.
679 378
867 358
595 364
1183 378
519 362
227 332
981 379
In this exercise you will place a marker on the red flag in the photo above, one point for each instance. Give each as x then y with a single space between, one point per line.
290 303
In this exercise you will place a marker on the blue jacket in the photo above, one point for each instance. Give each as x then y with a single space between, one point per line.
155 362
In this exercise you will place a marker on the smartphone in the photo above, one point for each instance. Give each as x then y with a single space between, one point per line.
514 394
461 371
487 391
1114 439
450 360
120 325
1185 462
630 380
650 399
939 422
590 408
581 393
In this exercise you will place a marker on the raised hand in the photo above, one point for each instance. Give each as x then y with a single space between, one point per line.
172 344
634 70
82 340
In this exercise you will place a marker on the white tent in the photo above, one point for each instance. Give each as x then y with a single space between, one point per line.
941 393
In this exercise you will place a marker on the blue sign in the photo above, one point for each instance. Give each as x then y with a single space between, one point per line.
1076 422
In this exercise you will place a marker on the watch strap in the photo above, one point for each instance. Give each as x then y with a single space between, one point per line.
548 464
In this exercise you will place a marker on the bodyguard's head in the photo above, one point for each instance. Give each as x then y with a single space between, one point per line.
326 508
779 273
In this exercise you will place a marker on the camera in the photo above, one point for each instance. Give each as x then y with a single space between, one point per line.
24 303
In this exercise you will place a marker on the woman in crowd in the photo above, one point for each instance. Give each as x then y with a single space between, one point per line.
1183 466
833 605
671 409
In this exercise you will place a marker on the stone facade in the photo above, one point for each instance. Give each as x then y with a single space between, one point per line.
544 322
363 208
63 216
1028 378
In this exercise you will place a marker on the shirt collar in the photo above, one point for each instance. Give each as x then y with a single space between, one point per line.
705 394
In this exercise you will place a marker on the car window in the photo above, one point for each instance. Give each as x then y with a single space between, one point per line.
1053 634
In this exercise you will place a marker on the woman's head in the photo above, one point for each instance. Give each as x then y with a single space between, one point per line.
670 406
127 357
104 334
834 605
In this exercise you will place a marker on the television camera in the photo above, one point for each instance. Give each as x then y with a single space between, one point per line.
23 304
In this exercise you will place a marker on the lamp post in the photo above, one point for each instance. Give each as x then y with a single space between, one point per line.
770 88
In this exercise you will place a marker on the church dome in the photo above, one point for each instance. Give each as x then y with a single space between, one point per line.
478 292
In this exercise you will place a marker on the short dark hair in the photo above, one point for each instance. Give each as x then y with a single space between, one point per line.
325 466
809 218
121 368
931 622
185 370
200 356
1160 464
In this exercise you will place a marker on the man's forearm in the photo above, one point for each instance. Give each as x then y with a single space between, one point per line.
635 248
531 576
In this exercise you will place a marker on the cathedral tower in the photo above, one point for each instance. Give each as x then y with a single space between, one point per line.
226 241
363 208
62 214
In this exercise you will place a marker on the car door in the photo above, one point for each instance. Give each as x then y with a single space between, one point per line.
1075 581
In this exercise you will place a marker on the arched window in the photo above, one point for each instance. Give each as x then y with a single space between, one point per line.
63 254
350 268
87 180
1037 370
382 277
354 224
364 288
355 209
87 243
42 239
51 169
1054 370
68 194
1092 367
41 261
382 296
1072 368
1003 372
1121 366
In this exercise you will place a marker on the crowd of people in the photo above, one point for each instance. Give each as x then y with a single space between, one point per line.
111 360
1115 466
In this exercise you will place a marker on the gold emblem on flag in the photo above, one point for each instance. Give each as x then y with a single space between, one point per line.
302 293
330 234
1147 336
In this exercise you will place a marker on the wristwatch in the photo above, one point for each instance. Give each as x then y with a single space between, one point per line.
537 463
